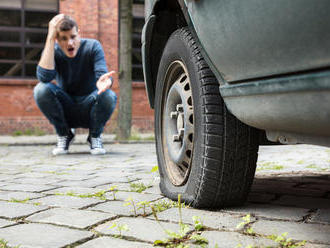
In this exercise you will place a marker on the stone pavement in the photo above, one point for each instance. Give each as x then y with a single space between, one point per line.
66 201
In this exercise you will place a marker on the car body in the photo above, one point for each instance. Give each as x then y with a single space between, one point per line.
270 59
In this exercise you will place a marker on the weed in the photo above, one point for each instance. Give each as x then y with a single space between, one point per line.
163 205
120 227
286 242
154 169
138 187
177 239
114 191
269 166
19 201
29 132
143 205
100 195
3 244
311 166
130 201
246 225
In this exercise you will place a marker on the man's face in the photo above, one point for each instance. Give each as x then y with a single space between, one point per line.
69 41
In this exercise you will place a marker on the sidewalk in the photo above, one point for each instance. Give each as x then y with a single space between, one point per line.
71 201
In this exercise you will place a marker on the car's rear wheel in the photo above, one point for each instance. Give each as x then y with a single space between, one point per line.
204 153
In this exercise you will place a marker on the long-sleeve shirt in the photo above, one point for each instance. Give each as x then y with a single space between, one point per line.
77 76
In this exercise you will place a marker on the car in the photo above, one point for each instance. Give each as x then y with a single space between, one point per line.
223 74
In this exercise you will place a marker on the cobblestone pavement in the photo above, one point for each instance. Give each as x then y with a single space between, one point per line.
66 201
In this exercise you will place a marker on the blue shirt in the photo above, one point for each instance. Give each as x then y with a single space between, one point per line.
77 76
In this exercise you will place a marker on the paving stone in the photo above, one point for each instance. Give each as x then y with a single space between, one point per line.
67 201
119 208
39 181
17 210
271 211
211 219
322 216
299 231
119 186
153 190
4 223
9 195
104 242
303 202
42 235
70 217
139 228
233 239
137 197
28 187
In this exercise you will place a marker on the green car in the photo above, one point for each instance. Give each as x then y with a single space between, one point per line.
222 75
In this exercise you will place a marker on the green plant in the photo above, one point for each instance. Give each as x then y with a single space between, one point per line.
143 205
100 195
130 201
138 187
246 225
177 239
285 242
163 205
120 227
114 191
154 169
19 201
29 132
3 244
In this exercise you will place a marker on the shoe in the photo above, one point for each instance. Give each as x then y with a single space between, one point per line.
63 143
96 145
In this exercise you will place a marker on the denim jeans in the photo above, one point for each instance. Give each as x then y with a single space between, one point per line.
65 111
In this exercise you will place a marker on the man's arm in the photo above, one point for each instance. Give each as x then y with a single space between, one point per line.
47 58
46 66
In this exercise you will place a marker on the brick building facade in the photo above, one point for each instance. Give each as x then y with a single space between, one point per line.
97 19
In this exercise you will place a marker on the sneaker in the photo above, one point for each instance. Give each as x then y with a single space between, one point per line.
63 143
96 145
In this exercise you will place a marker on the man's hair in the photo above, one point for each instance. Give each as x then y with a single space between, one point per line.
67 24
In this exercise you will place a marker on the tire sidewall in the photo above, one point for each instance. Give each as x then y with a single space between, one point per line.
179 47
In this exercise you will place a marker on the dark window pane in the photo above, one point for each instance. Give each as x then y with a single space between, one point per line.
50 5
137 72
136 57
10 53
136 42
32 38
138 25
37 19
33 54
10 70
30 70
9 36
11 18
11 3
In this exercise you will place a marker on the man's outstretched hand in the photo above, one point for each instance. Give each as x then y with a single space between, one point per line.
105 82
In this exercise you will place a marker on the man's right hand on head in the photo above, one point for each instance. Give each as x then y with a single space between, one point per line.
52 26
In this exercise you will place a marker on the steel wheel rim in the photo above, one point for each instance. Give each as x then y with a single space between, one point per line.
177 123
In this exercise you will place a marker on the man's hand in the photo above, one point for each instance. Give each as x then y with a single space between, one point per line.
105 82
52 26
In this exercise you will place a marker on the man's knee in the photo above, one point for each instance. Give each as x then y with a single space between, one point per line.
42 91
108 99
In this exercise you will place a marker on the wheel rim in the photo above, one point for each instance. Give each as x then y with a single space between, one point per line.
178 124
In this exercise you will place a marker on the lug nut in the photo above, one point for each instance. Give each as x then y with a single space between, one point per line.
174 115
176 138
179 108
181 132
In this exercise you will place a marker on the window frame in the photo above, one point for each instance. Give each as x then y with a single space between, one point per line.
137 66
23 30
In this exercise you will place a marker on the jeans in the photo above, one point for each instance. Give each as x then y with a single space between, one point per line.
65 111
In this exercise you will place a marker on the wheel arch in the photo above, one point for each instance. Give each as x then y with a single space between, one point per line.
165 17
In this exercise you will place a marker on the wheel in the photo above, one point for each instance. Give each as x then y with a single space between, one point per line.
204 153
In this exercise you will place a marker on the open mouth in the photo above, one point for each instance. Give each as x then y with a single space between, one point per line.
70 49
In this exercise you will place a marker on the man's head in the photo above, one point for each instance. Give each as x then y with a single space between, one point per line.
68 36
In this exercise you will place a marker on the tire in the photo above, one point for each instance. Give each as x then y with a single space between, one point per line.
204 153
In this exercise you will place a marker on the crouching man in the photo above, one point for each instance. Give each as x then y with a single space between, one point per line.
82 96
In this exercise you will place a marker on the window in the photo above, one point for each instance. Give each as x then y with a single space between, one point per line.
23 31
138 22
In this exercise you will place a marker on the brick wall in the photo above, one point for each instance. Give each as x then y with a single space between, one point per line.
97 19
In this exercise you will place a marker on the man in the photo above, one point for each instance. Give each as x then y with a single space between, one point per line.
82 96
